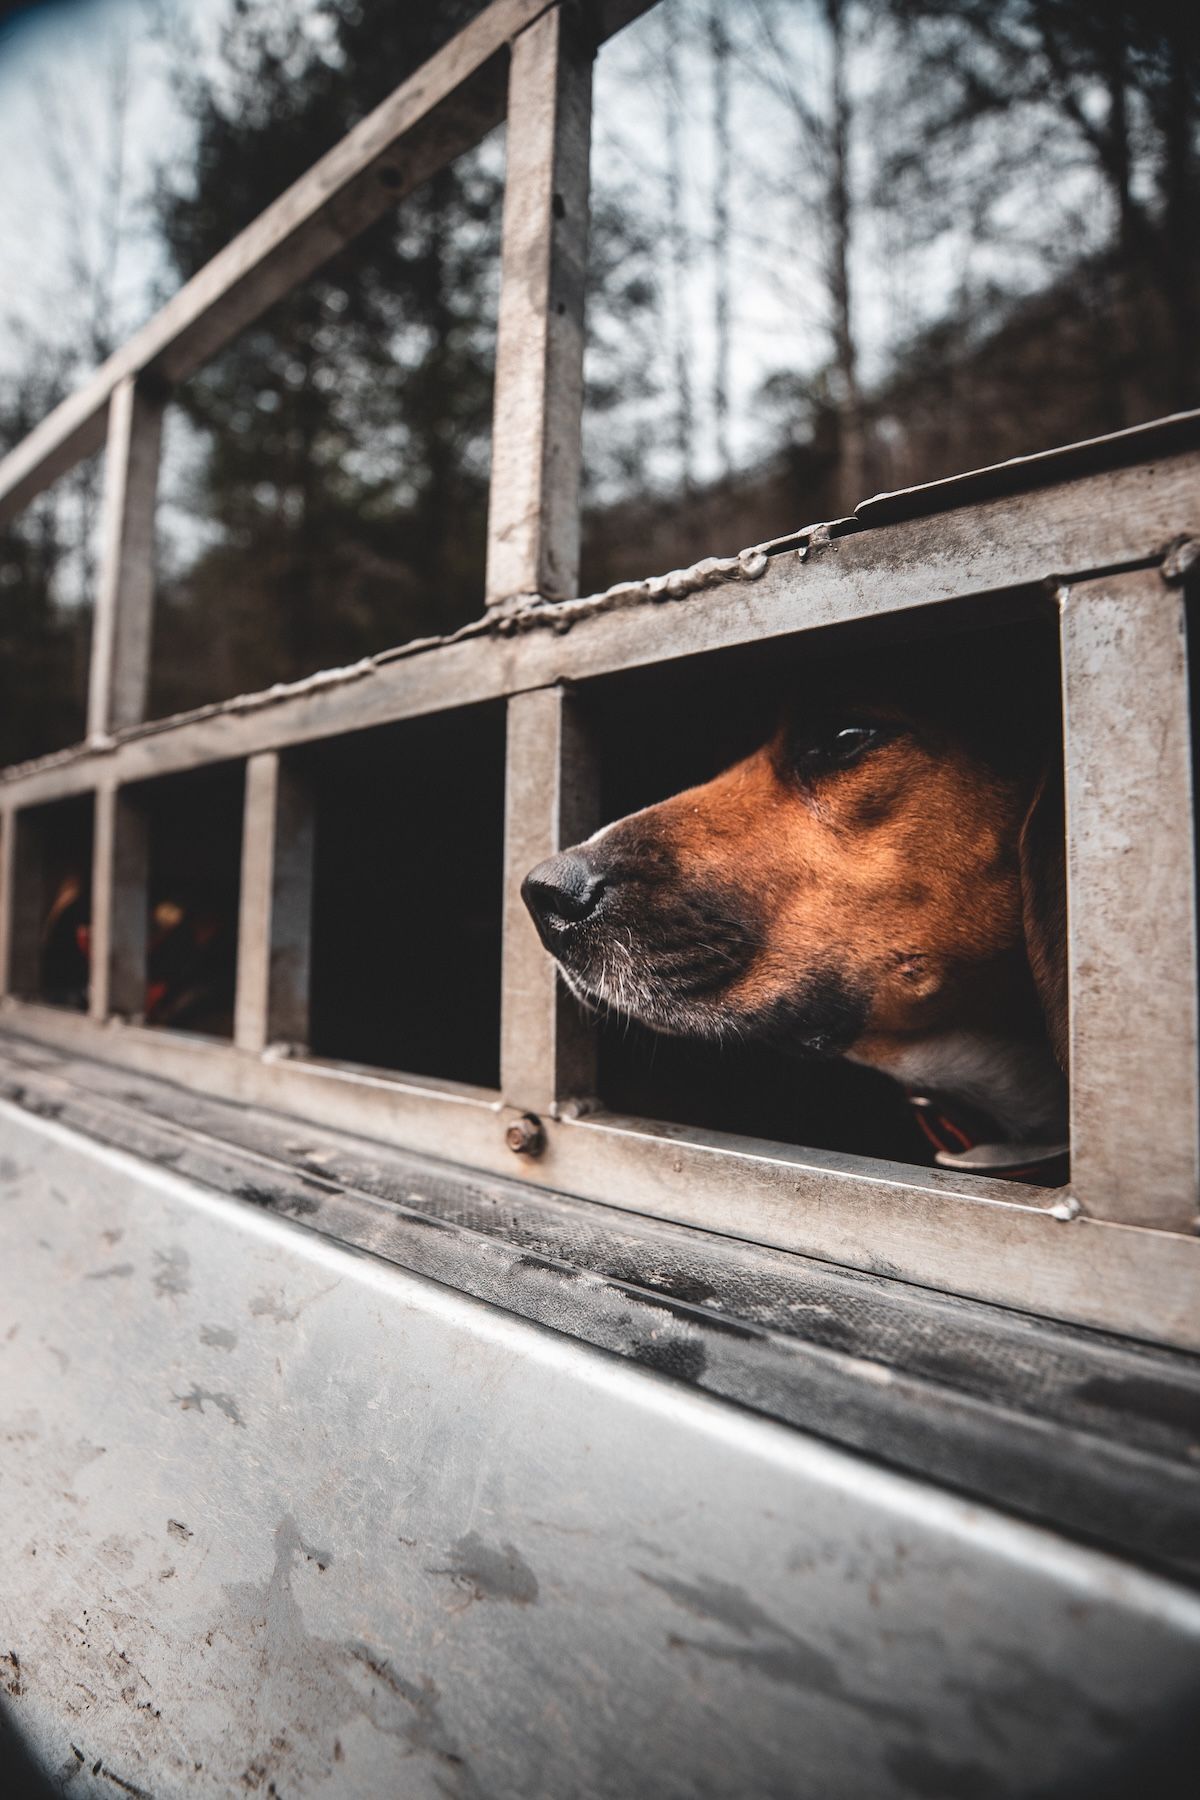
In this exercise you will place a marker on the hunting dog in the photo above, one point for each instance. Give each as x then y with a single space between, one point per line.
882 879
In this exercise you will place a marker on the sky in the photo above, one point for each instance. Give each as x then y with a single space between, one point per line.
85 93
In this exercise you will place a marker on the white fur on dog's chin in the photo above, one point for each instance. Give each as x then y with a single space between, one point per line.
1019 1084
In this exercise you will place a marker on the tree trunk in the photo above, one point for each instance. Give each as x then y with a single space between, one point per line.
718 39
440 456
1180 204
677 253
851 460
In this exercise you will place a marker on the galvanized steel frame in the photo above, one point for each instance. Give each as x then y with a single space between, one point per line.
1118 1248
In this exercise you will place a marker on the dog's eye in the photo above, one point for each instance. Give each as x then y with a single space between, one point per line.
835 744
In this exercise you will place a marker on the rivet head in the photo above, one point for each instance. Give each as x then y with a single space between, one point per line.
525 1136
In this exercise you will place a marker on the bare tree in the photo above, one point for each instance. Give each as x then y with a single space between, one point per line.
836 134
1121 85
826 140
678 248
719 47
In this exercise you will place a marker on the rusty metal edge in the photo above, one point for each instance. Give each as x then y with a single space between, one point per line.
1063 462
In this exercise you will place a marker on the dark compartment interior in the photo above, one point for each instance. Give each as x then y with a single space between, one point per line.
194 839
408 893
54 851
662 729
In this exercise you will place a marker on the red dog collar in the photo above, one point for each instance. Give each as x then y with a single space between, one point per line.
966 1140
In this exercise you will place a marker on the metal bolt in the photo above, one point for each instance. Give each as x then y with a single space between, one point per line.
1181 559
525 1136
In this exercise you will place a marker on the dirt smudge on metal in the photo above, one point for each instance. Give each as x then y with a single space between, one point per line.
218 1337
298 1691
224 1403
273 1306
171 1277
760 1644
490 1571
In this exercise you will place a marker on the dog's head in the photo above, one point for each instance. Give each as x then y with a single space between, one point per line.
877 869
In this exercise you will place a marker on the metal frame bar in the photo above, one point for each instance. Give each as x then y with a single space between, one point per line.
120 662
275 923
1135 1124
120 906
547 1054
1085 1255
22 885
533 515
1066 531
8 871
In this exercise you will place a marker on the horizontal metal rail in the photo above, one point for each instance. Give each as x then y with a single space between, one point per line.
1070 530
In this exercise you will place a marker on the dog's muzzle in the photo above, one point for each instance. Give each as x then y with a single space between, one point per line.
628 932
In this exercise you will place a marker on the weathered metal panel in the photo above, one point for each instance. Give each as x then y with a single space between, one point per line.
1145 443
1091 1434
1023 1246
281 1514
1135 1113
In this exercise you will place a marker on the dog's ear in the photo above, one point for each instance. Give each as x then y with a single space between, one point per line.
1044 900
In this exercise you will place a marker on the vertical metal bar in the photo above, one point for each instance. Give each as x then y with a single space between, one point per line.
533 514
1135 1120
276 907
120 664
546 1050
120 906
8 834
22 890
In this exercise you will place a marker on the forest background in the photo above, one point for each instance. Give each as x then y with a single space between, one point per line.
838 246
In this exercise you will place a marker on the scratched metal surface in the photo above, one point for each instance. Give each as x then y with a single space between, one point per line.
280 1517
1094 1436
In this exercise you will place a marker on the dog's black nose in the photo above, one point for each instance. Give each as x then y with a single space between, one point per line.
562 890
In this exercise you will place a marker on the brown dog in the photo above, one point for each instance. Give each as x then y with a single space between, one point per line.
881 879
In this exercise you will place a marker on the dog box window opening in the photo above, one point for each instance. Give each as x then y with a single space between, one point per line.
407 888
193 835
49 563
855 940
324 477
52 902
